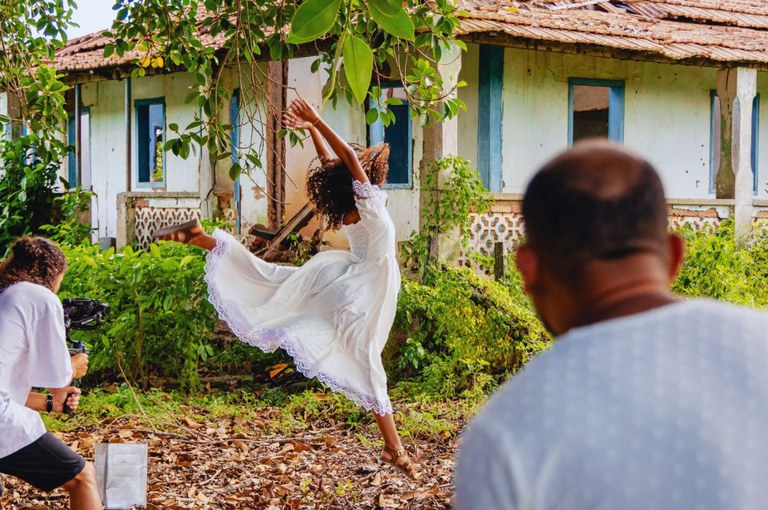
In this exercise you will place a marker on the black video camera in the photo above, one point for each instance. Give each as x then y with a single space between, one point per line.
82 314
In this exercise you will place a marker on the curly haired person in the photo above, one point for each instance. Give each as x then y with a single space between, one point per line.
334 313
33 353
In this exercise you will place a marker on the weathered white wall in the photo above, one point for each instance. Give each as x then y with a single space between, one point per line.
108 151
667 115
180 174
106 100
253 118
349 121
467 121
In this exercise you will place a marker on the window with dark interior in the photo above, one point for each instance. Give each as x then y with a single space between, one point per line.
150 136
397 134
596 109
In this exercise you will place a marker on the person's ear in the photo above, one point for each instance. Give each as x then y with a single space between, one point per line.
528 265
676 255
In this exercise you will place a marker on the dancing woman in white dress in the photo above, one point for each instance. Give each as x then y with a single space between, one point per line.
334 313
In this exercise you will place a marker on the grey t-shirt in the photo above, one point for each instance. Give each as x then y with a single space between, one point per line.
666 409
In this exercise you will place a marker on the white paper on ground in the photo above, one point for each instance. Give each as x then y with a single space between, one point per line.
121 474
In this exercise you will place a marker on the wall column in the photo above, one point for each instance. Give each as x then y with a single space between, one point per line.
441 139
736 88
277 88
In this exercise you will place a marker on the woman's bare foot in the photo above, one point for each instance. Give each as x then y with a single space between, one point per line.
400 460
180 232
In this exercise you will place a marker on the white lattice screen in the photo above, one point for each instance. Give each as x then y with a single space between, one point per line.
492 227
699 220
504 223
150 218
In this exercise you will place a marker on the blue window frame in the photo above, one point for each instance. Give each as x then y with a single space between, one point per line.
84 179
398 135
150 137
234 119
595 109
490 116
715 139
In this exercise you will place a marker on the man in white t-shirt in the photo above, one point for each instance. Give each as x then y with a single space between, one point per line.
33 353
645 401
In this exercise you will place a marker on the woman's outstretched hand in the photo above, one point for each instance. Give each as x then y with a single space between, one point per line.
300 115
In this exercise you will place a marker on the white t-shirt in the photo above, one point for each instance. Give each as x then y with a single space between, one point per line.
33 352
666 409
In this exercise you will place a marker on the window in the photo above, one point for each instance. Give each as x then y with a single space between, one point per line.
490 120
716 138
84 179
397 135
150 136
234 119
596 109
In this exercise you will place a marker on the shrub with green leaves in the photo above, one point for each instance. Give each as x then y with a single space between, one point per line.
447 209
458 332
160 321
26 188
719 265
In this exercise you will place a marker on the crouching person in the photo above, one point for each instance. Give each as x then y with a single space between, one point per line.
33 353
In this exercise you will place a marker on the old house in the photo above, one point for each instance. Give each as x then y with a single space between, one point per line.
679 81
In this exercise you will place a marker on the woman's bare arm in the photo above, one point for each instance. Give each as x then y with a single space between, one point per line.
317 140
291 121
303 111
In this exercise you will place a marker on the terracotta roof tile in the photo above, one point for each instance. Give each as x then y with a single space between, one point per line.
717 31
711 30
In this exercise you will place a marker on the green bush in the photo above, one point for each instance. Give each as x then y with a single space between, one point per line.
721 266
160 321
458 332
26 187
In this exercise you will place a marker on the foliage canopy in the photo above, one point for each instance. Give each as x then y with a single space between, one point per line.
358 45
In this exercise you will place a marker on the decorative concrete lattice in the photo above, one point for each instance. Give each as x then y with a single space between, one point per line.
708 219
504 223
150 218
492 227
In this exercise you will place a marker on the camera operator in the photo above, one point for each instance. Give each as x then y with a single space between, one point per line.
33 353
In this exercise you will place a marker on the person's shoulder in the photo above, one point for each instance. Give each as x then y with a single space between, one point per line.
719 310
368 191
32 293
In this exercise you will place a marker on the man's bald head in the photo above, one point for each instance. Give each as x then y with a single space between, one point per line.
595 201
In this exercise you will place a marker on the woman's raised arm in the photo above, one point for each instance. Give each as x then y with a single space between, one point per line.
291 121
301 112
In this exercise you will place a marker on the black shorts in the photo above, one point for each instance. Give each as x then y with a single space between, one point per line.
46 464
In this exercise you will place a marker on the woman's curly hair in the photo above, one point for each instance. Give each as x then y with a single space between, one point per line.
329 185
35 260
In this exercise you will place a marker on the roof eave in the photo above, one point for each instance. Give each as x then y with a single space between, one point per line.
496 38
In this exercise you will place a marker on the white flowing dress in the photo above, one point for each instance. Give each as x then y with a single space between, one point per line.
332 315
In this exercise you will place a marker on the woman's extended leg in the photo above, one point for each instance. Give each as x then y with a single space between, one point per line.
190 232
394 453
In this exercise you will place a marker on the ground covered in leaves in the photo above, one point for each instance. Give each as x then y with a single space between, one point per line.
313 451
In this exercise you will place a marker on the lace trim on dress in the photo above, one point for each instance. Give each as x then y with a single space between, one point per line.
364 190
269 340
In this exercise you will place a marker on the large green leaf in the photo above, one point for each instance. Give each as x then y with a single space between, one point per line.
313 19
399 25
358 66
388 7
